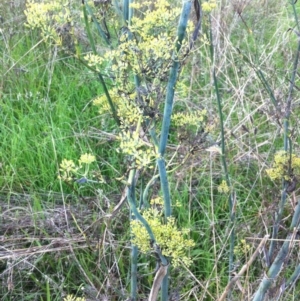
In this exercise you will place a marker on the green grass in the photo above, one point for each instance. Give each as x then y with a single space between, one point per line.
47 115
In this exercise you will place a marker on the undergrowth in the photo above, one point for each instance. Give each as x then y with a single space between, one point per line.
60 239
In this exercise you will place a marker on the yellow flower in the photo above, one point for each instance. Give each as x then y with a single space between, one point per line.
48 17
282 163
67 165
94 60
73 298
242 249
223 187
157 201
131 144
87 159
171 241
189 119
209 6
67 170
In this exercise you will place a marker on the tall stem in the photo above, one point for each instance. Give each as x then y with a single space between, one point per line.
166 123
287 145
280 259
92 42
224 159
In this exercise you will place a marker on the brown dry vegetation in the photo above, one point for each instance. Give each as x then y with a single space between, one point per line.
55 242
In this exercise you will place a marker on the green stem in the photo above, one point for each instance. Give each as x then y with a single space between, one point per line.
117 8
225 170
133 271
138 216
127 14
99 28
173 78
223 160
169 107
261 77
294 277
167 120
126 10
134 249
288 149
295 14
164 186
110 102
146 190
278 263
91 40
88 29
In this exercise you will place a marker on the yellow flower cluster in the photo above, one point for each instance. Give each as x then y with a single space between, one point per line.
68 170
131 144
170 240
102 104
242 249
47 16
189 119
159 19
147 57
208 6
86 159
129 113
182 89
223 187
158 201
145 47
73 298
61 21
94 61
210 127
280 166
127 109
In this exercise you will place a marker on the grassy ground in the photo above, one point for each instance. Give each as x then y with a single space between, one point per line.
54 238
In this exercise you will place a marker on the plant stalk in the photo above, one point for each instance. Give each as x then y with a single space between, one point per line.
288 149
92 42
280 259
231 197
166 124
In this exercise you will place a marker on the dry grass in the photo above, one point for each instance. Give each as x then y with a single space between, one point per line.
57 244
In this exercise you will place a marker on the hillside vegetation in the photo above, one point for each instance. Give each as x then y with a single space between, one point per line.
149 146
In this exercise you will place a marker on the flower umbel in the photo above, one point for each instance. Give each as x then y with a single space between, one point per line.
223 187
71 172
87 159
73 298
242 249
208 6
281 165
67 170
189 119
143 154
172 242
